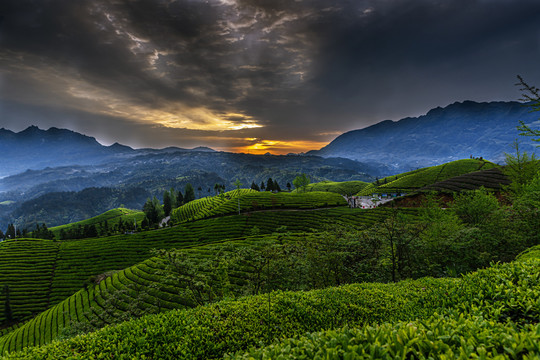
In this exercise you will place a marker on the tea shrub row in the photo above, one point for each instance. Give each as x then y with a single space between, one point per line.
477 316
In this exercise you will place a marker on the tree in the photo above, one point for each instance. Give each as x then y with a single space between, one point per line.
237 183
10 232
262 186
179 199
189 193
530 94
199 189
276 186
153 210
255 186
289 186
475 207
167 203
301 182
2 236
520 168
399 233
174 199
270 185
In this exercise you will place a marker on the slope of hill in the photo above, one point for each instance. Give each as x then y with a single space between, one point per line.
245 200
487 313
58 208
443 134
110 217
417 179
493 179
342 187
72 262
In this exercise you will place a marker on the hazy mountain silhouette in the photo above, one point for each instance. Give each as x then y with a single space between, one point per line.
455 132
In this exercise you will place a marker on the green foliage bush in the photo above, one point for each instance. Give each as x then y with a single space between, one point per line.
439 337
476 206
482 308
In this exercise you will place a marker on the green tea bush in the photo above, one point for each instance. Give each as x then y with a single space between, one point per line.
439 337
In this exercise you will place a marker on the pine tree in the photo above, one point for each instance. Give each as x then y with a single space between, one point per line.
270 185
276 186
174 199
167 203
255 186
189 193
179 199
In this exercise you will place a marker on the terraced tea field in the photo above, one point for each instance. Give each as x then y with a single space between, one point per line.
63 267
415 180
343 188
251 200
493 179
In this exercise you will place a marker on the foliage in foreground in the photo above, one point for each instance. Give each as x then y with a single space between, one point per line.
488 302
439 337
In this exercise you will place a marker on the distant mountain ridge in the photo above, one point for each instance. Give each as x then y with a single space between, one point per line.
454 132
34 148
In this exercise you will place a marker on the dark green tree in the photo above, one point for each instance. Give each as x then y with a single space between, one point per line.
153 210
262 186
289 186
174 199
167 203
189 193
270 185
276 186
10 233
255 186
179 199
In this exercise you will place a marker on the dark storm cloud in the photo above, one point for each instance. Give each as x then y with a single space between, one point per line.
303 70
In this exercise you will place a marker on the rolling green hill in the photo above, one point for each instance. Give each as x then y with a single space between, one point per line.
414 180
112 217
63 267
484 314
251 200
343 188
493 179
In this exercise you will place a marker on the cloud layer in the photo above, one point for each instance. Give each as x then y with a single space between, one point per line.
254 75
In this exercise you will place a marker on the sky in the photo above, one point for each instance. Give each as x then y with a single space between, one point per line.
254 76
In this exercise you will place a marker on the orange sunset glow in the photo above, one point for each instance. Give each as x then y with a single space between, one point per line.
278 147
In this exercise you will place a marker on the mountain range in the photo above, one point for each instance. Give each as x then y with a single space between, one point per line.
41 166
36 149
457 131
